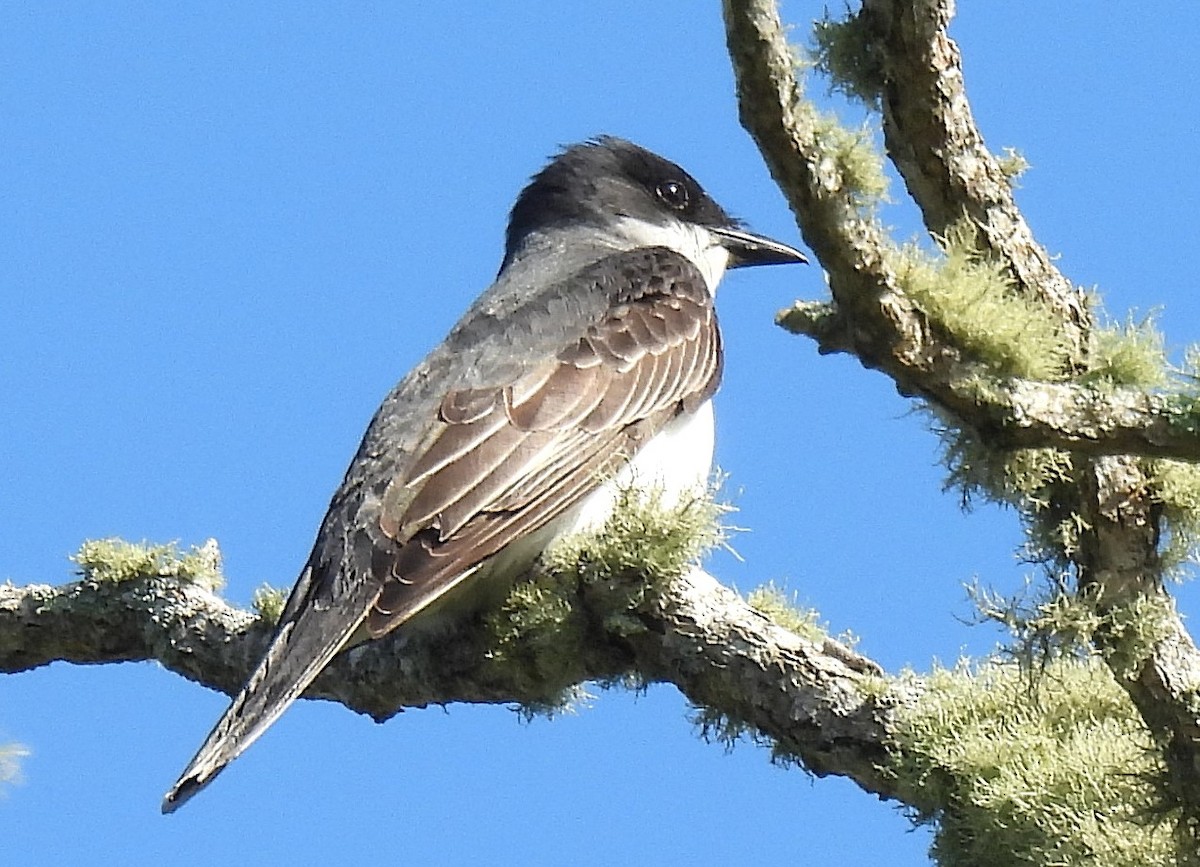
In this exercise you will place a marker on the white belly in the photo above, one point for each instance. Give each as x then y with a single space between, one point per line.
677 461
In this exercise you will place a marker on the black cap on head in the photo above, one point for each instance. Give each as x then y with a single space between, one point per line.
596 181
607 177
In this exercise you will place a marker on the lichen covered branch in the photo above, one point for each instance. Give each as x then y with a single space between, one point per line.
802 693
933 141
993 336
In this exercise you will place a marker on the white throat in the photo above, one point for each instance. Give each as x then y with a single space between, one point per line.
693 242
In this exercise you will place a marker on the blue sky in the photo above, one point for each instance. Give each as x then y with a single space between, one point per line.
225 232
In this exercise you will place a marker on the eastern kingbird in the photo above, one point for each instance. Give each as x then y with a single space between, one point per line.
587 366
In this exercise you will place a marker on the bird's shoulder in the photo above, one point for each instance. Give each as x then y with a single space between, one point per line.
529 315
542 304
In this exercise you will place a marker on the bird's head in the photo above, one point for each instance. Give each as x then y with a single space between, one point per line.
631 197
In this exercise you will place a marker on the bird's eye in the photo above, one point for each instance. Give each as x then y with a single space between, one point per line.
673 194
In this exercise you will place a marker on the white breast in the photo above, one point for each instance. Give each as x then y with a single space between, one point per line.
677 460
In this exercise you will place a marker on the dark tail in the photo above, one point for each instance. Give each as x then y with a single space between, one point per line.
307 638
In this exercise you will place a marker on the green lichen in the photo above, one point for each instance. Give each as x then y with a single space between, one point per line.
727 730
538 634
1130 354
541 629
844 51
268 603
643 538
781 608
1053 621
115 559
1190 371
1182 412
973 299
1175 486
1012 164
1062 771
717 727
1035 482
845 161
855 164
1038 483
1133 630
1044 621
1182 405
1024 478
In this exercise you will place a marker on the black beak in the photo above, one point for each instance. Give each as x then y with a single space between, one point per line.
746 248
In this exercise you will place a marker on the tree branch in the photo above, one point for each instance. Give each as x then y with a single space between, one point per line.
1012 412
872 318
806 696
932 139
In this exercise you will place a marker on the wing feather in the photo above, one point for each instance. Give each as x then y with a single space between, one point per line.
557 398
613 406
457 441
480 474
506 463
427 562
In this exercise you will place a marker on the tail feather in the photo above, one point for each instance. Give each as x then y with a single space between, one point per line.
303 645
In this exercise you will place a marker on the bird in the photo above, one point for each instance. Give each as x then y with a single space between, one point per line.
588 365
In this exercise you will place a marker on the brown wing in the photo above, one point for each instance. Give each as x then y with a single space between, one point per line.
506 460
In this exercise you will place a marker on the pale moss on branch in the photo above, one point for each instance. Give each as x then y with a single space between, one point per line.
1133 630
1055 622
971 300
1175 486
117 560
845 162
1023 478
541 627
974 300
1012 163
1044 623
268 603
1191 366
538 634
1130 354
717 727
643 537
781 609
1183 411
844 51
1060 771
850 161
1029 480
1035 482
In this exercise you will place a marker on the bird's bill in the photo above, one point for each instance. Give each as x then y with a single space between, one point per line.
746 248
